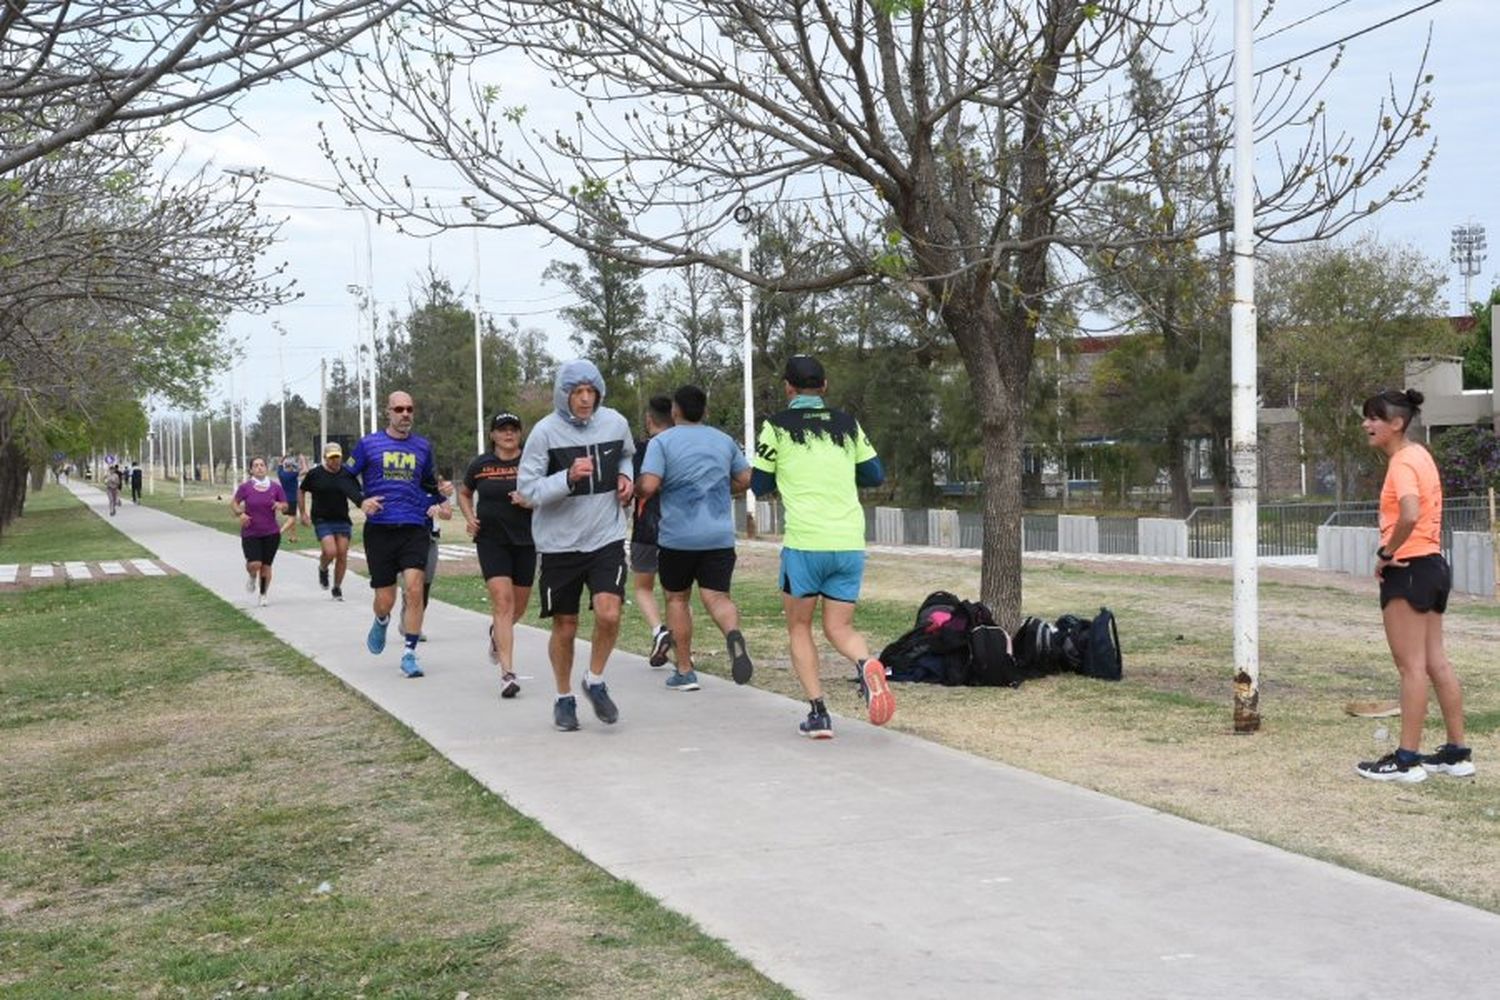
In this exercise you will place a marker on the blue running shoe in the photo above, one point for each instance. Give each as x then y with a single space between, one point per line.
565 713
375 641
683 682
409 664
604 706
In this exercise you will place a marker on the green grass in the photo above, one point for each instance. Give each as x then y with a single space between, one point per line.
56 526
172 809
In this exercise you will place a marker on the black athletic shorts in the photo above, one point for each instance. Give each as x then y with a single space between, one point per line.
498 557
563 575
391 548
1424 583
710 569
261 548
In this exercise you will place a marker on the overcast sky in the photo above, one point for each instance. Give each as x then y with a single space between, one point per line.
323 244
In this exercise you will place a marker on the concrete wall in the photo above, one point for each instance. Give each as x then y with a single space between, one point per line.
1076 533
1474 563
1163 536
1352 550
1348 550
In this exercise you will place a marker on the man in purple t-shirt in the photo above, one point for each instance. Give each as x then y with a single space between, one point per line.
258 503
401 498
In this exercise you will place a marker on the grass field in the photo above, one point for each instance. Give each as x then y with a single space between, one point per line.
57 527
213 816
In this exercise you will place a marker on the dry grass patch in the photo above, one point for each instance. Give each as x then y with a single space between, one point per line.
218 815
1162 736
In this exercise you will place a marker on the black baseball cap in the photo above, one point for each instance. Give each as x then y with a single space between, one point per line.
804 372
506 419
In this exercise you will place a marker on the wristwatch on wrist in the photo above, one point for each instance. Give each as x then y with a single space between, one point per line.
1382 554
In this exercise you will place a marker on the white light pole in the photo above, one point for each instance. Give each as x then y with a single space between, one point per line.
192 445
1245 455
745 216
234 441
363 335
208 423
360 297
478 357
180 463
281 366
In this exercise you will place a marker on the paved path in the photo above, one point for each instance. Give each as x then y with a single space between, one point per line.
877 865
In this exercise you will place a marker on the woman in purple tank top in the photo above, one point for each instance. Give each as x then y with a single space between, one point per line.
259 503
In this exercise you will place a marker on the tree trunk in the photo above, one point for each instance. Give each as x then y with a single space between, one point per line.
998 398
1182 495
1000 568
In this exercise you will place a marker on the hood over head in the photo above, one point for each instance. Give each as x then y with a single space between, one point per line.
570 375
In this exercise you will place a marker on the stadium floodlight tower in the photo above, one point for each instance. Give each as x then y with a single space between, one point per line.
1468 253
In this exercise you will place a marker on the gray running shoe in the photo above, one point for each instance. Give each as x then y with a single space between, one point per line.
604 706
683 682
565 713
739 657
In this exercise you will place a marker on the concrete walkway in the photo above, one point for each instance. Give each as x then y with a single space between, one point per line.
877 865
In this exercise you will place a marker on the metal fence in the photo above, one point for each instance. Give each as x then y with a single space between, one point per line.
1120 535
1291 529
1039 532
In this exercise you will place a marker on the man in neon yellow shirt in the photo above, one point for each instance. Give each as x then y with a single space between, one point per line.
817 458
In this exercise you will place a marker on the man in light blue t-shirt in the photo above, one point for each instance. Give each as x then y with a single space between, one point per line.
696 469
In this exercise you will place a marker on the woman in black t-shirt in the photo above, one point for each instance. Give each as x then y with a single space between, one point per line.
500 524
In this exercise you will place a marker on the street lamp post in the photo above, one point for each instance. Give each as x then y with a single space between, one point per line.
281 366
745 216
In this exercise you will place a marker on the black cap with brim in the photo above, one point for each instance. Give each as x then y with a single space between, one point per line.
803 372
506 419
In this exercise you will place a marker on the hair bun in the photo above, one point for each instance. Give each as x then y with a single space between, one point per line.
1414 397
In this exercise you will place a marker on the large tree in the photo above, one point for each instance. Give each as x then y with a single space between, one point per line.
953 150
1341 322
71 70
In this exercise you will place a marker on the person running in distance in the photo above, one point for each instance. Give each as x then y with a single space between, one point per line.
1414 584
696 470
500 524
257 503
287 475
331 489
135 482
400 500
112 483
817 458
576 475
643 536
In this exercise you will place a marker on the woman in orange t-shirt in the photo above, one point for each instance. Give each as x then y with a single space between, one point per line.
1414 584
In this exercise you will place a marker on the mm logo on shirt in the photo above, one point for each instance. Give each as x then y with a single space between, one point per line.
398 465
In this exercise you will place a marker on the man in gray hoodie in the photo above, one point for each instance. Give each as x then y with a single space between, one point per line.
576 475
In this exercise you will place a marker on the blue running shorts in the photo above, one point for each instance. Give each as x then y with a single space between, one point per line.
834 575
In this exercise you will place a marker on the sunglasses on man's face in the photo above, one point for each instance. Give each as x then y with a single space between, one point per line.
403 409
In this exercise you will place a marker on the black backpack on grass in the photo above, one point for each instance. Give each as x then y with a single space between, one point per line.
942 646
1091 647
